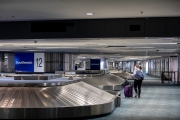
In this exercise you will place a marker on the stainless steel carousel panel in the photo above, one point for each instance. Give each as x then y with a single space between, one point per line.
105 82
122 74
77 99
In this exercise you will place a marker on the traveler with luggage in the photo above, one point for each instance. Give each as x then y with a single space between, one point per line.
138 78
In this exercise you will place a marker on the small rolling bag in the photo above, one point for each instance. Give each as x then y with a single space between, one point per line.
128 91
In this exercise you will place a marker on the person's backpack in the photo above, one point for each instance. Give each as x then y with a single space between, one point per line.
139 75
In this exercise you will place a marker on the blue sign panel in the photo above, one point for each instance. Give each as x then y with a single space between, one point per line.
95 64
24 62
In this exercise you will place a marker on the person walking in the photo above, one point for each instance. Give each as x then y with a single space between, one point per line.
138 78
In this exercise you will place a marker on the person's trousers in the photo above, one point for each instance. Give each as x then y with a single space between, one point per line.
137 84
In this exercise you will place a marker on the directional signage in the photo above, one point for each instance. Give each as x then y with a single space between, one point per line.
29 62
38 62
95 64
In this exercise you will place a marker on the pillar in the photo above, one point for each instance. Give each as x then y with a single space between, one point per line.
178 69
66 62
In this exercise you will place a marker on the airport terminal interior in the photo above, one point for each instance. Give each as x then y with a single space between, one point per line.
67 59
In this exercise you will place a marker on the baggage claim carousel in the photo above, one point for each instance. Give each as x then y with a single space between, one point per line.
54 96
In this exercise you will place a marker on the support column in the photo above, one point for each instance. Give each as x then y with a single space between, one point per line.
66 62
87 64
113 64
71 65
106 66
102 64
178 80
1 62
132 66
9 62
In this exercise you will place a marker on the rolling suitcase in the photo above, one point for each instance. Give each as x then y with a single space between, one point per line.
128 91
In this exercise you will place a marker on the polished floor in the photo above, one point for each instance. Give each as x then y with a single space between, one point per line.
157 102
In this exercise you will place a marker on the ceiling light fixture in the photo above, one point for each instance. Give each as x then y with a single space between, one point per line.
5 50
140 47
89 13
166 51
168 38
35 50
54 47
156 43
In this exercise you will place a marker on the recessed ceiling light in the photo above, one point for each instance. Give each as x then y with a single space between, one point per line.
141 47
156 43
89 13
168 38
35 50
5 50
55 47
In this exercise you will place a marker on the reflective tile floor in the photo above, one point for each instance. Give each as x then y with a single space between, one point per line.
156 103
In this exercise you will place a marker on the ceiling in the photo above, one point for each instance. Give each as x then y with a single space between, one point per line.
75 9
113 48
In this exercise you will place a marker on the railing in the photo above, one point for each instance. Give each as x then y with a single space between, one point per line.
170 76
154 73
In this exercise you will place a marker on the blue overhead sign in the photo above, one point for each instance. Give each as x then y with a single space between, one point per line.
95 64
24 62
29 62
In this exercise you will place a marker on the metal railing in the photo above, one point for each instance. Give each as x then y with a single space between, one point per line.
154 73
170 76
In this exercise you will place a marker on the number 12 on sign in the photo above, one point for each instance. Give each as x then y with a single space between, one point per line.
38 62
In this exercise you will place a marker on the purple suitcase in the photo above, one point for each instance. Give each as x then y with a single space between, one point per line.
128 91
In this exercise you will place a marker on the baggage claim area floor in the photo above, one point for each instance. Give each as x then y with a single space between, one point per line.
158 101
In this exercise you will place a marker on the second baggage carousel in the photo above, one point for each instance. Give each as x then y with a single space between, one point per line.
105 81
